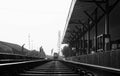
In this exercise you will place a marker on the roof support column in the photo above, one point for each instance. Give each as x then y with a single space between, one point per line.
96 29
88 51
77 47
84 44
107 35
107 18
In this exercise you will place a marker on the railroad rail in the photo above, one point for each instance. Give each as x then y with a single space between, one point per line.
13 69
92 70
55 68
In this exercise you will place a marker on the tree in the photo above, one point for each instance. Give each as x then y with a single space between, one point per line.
67 51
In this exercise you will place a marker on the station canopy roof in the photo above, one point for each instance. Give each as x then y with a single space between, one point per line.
78 16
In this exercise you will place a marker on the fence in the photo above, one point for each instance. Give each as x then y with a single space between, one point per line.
108 59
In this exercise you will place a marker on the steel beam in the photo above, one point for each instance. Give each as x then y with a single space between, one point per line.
92 1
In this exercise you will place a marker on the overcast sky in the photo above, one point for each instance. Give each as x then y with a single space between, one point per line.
41 19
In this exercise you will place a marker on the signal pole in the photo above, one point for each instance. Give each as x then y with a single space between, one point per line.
59 42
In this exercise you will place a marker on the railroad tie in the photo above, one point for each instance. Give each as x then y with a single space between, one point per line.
53 68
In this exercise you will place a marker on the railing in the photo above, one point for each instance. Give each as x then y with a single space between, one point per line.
108 59
91 70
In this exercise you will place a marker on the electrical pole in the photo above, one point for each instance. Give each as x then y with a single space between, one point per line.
59 42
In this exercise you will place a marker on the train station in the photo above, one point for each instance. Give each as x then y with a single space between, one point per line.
92 45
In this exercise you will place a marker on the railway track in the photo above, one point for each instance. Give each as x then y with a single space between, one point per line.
53 68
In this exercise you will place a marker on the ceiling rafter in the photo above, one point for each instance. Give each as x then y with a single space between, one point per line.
99 5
